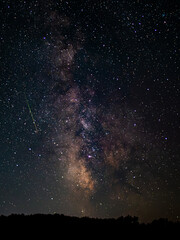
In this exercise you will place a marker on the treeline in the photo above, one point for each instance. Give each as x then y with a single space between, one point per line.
62 219
53 226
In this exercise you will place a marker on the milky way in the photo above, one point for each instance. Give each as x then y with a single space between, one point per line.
100 82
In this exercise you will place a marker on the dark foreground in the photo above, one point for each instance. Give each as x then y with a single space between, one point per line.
57 219
73 226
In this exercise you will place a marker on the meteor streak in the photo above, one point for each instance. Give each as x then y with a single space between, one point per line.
36 129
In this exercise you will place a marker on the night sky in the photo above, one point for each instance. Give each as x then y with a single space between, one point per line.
89 121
